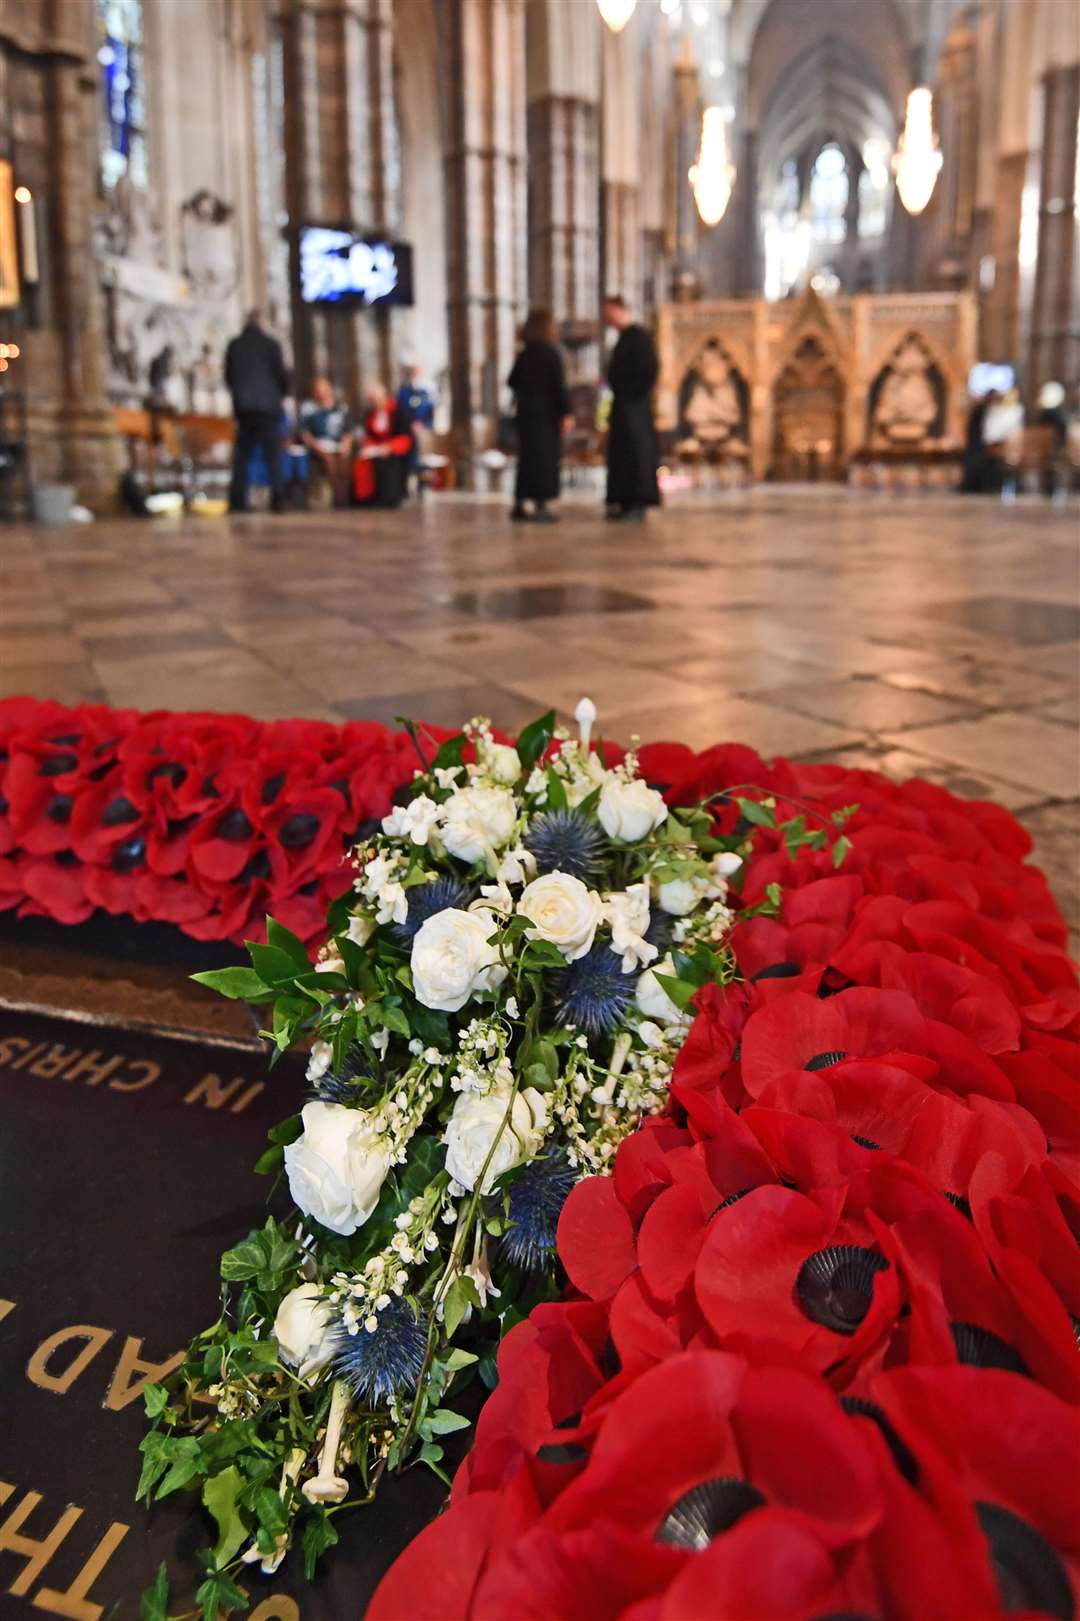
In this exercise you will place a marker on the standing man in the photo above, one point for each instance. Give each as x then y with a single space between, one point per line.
631 450
258 382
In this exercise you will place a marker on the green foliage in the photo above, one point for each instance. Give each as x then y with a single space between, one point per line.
534 740
154 1604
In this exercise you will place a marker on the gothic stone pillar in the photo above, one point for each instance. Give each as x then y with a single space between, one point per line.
342 166
564 241
48 129
1055 326
484 76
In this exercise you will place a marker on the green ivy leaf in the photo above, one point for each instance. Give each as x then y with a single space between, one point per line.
243 1261
444 1422
219 1495
155 1400
219 1595
187 1463
154 1604
679 991
556 790
450 753
459 1297
319 1534
840 850
535 738
239 984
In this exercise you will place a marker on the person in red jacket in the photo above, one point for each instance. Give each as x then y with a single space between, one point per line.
381 469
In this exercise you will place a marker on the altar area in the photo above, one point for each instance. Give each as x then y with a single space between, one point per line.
869 388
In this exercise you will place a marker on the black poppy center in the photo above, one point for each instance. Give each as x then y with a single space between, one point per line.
172 769
1028 1571
55 765
903 1457
835 1286
705 1511
979 1348
234 827
865 1142
825 1060
562 1451
118 811
777 970
298 831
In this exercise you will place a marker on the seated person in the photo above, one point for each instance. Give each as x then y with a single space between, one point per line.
381 470
419 409
326 432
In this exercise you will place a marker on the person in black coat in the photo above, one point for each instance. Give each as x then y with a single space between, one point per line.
256 377
631 450
542 403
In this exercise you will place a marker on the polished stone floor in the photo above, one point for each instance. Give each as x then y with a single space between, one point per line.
931 635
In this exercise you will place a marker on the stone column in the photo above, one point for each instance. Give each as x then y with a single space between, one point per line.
484 76
1055 320
564 182
342 166
48 129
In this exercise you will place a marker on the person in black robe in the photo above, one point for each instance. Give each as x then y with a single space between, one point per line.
631 450
542 412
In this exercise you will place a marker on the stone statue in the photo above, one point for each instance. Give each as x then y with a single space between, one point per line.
907 404
713 411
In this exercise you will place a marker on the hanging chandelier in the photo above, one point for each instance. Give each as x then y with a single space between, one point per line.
917 160
712 176
616 13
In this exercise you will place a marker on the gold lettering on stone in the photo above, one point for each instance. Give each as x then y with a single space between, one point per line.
9 1048
73 1601
33 1049
278 1608
37 1369
242 1102
123 1390
212 1091
36 1553
95 1066
150 1073
56 1059
5 1307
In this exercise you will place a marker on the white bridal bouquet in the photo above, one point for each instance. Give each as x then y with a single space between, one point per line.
500 1001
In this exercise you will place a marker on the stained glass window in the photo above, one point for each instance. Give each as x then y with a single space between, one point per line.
829 195
120 59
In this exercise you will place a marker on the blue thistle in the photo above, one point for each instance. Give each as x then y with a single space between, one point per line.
349 1084
567 841
426 899
380 1365
537 1195
593 993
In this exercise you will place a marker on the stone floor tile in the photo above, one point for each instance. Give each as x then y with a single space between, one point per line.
1013 746
991 686
1056 831
446 706
868 705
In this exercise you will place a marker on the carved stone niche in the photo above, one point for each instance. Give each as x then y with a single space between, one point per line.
906 405
808 415
713 403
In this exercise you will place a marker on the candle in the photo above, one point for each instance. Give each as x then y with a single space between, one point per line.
27 234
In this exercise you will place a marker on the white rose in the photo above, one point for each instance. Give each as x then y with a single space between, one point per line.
724 864
452 960
630 810
500 761
361 928
414 820
476 820
337 1168
302 1328
562 910
653 1000
473 1126
627 911
680 895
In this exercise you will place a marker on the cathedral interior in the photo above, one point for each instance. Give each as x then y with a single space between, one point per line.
851 231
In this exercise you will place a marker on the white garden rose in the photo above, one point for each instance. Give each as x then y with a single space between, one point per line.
361 928
302 1328
414 821
679 896
630 810
653 1000
562 910
452 960
337 1168
475 1123
476 820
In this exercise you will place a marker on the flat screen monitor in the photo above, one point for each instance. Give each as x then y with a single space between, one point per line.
990 375
338 267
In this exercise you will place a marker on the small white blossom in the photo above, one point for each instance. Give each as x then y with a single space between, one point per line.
416 820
